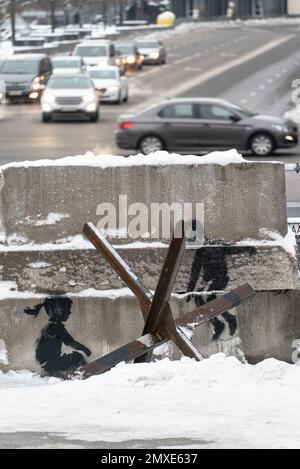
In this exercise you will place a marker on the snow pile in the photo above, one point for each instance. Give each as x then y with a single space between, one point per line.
219 401
51 219
160 158
3 354
288 242
293 114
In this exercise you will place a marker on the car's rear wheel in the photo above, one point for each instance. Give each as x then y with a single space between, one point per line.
46 117
262 144
150 144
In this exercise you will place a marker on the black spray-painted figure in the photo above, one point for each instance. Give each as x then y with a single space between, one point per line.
54 335
210 264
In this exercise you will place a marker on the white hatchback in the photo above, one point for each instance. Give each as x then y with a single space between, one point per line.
70 95
111 83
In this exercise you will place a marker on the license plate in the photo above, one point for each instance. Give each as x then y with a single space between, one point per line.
295 227
15 93
69 109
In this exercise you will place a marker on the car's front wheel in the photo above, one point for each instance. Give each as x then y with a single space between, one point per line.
150 144
262 144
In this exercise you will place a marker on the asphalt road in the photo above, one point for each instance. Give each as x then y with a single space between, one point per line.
253 66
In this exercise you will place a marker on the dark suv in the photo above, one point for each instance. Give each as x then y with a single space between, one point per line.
25 76
197 124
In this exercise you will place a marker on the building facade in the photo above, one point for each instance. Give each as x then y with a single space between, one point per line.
293 7
243 8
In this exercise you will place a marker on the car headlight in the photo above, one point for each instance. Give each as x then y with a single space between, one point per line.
154 55
280 128
130 59
48 98
92 107
38 83
89 97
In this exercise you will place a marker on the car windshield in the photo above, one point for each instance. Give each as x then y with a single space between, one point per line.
91 51
126 50
241 110
103 74
148 45
71 83
58 63
20 66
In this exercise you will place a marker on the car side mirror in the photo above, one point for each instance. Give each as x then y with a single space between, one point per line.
235 118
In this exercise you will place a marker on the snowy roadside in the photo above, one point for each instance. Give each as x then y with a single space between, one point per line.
219 401
293 114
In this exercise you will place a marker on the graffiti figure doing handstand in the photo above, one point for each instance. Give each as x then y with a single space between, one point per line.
211 266
54 335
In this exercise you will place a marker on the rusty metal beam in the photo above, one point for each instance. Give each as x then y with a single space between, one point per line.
137 287
144 296
220 305
127 353
149 342
166 282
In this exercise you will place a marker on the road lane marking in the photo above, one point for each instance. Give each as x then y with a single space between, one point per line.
227 54
206 76
193 69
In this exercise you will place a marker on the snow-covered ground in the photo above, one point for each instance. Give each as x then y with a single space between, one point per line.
220 401
293 114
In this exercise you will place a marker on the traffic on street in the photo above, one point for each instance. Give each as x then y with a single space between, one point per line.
251 66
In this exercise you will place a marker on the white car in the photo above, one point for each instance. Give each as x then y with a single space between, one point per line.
2 91
66 64
111 83
70 95
95 53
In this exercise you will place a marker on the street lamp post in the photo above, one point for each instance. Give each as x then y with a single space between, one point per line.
140 9
13 21
52 14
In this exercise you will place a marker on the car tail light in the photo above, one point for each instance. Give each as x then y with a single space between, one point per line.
125 125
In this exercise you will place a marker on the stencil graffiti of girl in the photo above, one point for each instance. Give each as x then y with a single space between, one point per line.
54 335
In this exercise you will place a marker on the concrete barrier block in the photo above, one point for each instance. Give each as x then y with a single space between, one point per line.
268 326
48 201
264 267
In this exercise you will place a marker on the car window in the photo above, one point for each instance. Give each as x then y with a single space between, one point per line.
20 66
147 45
91 51
46 66
103 74
59 63
126 49
112 51
178 111
72 83
214 112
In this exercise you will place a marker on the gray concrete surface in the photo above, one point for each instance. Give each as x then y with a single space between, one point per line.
267 327
239 199
264 267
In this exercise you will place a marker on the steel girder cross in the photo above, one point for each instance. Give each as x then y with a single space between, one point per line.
160 326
